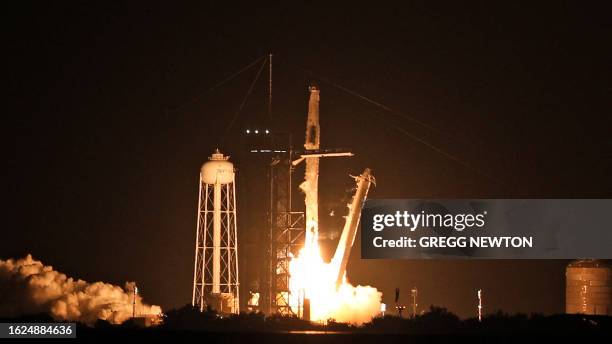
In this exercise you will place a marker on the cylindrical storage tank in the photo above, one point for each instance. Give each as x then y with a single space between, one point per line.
588 287
217 168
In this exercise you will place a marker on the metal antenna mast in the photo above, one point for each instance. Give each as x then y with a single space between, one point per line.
135 292
414 292
270 86
479 305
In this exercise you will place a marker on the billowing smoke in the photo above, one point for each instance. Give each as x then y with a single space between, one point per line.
27 286
314 279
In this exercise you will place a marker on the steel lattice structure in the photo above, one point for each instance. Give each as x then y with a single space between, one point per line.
286 234
215 277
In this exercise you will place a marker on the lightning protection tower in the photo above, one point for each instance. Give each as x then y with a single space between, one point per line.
215 275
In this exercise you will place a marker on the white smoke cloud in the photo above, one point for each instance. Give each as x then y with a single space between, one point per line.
27 286
355 304
315 279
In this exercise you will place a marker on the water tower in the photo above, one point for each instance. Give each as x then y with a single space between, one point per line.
588 287
215 275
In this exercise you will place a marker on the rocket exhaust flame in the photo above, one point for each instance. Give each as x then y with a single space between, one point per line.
325 284
36 288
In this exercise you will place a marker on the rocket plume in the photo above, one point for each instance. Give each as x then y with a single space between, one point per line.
314 279
27 286
325 284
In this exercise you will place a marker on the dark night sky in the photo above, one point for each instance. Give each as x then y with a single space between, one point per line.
105 144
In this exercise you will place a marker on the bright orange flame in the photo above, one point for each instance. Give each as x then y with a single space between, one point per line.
314 279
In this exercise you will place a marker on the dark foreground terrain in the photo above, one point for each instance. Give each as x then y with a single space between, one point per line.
436 325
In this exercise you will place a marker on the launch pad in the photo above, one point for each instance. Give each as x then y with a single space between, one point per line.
296 280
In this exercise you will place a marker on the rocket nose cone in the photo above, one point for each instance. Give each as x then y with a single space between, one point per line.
313 86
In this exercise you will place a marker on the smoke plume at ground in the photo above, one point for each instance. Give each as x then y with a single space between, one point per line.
27 286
